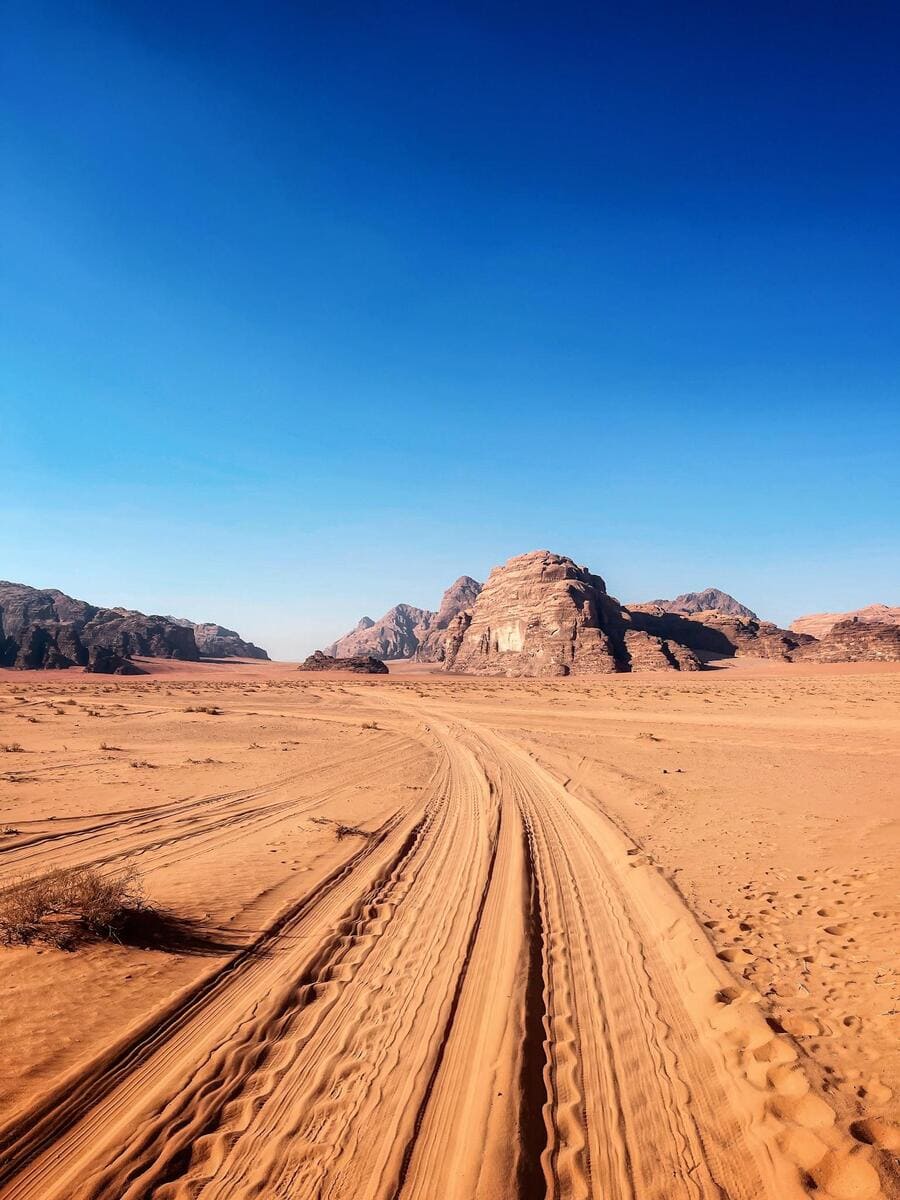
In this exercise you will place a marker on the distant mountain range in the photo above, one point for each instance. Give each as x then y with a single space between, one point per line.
542 614
45 628
407 632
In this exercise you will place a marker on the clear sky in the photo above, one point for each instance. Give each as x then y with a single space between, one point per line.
309 308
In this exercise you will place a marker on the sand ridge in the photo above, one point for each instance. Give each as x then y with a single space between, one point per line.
521 938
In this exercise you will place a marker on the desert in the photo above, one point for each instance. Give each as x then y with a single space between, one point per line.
450 601
626 935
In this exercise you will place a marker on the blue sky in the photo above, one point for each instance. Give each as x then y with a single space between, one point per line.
309 309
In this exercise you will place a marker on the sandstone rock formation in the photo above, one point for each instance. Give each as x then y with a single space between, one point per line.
215 641
45 628
540 614
819 624
855 640
717 634
709 600
408 632
361 664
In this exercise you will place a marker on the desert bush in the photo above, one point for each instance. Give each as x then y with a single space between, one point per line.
61 904
370 725
13 748
204 708
142 762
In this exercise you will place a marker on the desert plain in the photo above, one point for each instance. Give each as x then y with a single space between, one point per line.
630 937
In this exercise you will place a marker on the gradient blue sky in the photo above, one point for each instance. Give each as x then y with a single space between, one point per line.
308 309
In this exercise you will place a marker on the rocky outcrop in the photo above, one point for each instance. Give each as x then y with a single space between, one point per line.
645 652
716 634
107 662
362 664
820 624
855 640
459 597
540 614
46 629
709 600
215 641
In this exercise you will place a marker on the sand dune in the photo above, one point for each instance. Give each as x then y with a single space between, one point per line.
450 938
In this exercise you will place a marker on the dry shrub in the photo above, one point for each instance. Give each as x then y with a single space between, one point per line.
211 709
12 748
59 905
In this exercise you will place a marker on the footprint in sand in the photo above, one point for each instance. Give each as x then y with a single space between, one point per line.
875 1132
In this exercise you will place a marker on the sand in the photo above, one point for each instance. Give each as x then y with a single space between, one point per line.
628 937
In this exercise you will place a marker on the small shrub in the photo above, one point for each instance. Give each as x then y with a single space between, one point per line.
59 905
204 708
13 748
370 725
142 762
8 831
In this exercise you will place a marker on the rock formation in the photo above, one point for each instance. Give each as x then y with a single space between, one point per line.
408 632
709 600
855 640
543 615
717 634
361 664
215 641
45 628
819 624
459 597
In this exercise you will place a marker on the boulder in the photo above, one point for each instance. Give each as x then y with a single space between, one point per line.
362 664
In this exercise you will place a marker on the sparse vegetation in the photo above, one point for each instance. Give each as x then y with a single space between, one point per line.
107 746
13 748
61 905
142 762
370 725
204 708
8 831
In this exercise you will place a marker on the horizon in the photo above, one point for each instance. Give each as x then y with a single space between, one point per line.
306 317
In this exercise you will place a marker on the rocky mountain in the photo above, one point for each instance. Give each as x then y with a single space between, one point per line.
396 635
541 614
855 640
408 632
459 597
709 600
718 634
818 625
215 641
45 628
360 664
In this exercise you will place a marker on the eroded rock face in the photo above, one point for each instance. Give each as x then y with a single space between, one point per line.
541 614
855 640
362 664
818 625
46 629
709 600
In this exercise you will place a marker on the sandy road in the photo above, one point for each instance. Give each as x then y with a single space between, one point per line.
494 996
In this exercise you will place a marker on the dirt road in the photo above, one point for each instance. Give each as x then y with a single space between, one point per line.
491 993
